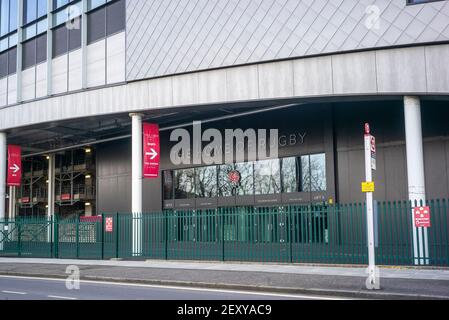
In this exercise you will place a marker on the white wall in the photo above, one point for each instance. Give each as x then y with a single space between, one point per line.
12 89
59 74
41 80
3 91
116 58
96 64
75 70
29 84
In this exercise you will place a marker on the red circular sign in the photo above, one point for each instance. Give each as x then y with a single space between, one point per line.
234 176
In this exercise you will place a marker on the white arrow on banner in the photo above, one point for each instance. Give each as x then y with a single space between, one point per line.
15 168
153 154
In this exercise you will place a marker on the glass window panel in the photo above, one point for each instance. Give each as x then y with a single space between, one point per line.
12 60
60 41
318 173
116 19
96 25
59 3
305 174
225 187
29 54
41 8
41 48
4 17
95 4
75 37
13 40
29 11
3 64
168 185
290 175
185 184
4 44
206 182
41 26
267 177
246 186
13 15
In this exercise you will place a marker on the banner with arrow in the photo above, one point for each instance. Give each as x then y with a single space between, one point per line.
151 150
14 166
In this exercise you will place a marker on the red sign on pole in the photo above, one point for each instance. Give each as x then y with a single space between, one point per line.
151 150
14 166
422 217
109 225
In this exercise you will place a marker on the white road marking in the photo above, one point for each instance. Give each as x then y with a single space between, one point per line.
186 288
62 298
14 292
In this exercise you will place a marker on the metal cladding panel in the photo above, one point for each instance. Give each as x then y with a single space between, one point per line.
176 36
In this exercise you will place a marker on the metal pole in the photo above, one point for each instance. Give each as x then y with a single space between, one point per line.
415 173
3 157
51 192
372 281
137 180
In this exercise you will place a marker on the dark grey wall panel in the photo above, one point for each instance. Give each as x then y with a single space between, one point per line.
175 36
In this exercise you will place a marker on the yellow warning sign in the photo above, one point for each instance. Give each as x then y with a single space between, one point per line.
368 187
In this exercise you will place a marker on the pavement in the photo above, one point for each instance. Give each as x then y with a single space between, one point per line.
338 281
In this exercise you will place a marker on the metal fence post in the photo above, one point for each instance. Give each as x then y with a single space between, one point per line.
222 236
116 235
102 237
19 240
77 238
166 216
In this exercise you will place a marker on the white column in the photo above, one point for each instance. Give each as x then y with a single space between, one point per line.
415 171
84 45
51 186
12 203
19 50
137 179
3 157
51 193
49 48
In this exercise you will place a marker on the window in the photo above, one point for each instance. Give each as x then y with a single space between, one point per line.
33 10
420 1
185 184
8 16
267 177
34 51
289 167
246 186
3 64
206 182
168 185
65 40
105 21
225 186
12 60
318 173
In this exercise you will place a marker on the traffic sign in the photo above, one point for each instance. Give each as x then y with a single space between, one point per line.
422 217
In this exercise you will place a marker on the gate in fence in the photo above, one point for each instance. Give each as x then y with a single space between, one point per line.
295 234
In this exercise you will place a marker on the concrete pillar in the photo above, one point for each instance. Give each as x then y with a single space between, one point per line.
3 161
415 172
137 179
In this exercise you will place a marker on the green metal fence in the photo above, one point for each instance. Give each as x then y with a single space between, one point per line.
294 234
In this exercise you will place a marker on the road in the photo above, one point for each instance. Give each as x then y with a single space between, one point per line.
22 288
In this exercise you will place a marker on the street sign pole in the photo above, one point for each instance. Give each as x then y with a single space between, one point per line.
372 282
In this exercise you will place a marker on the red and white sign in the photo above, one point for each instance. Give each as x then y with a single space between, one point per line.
151 150
422 217
14 166
109 224
367 128
66 197
373 145
26 200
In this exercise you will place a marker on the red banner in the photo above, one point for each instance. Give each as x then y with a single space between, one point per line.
151 150
14 166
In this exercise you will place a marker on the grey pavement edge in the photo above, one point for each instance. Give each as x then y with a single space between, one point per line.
398 283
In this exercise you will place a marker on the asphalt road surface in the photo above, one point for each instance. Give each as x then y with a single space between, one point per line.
21 288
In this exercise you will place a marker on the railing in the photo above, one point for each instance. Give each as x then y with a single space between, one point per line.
294 234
